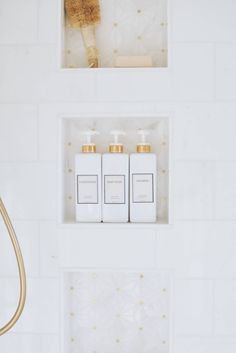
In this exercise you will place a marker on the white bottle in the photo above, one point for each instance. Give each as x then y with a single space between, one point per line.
88 181
115 181
143 171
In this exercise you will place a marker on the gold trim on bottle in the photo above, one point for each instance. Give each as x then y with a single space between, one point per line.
21 268
89 148
116 148
143 148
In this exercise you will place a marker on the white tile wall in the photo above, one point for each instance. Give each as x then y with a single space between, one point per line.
194 309
225 307
199 88
18 22
18 133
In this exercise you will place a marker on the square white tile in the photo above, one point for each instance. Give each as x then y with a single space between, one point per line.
193 307
18 132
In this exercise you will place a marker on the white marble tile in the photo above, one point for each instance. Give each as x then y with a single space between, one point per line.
29 190
49 249
208 249
204 21
17 343
134 86
225 307
225 190
200 131
28 237
18 132
18 22
226 72
41 312
193 71
100 247
19 77
204 345
193 190
48 27
193 307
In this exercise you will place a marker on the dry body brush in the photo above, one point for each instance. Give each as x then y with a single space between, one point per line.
85 14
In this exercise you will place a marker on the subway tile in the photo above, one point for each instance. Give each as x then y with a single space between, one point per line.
18 132
41 312
134 86
199 20
48 12
29 190
193 71
28 236
125 249
18 24
193 307
17 343
200 131
225 190
226 72
208 248
225 307
193 192
49 249
19 77
205 345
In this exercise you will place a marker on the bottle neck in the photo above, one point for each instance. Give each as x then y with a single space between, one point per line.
143 148
116 148
89 148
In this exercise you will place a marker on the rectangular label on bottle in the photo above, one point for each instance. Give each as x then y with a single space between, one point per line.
87 189
114 189
143 188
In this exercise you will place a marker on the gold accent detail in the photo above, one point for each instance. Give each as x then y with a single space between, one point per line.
116 148
141 302
94 327
88 148
143 148
21 269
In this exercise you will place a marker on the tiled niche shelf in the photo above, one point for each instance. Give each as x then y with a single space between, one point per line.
71 139
116 311
128 28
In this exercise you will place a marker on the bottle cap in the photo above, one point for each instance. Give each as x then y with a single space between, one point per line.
116 146
89 146
143 146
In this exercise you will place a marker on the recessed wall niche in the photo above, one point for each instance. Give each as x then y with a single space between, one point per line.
125 33
122 312
72 138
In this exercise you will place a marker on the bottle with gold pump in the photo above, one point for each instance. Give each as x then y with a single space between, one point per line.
115 181
88 181
143 171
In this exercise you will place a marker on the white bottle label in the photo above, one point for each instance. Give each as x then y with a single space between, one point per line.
143 189
87 189
114 189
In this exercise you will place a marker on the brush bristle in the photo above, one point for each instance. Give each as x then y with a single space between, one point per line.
83 13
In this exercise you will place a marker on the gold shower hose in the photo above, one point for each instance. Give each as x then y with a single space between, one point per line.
21 269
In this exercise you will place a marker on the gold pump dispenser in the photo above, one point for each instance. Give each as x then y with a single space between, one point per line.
116 146
89 146
143 146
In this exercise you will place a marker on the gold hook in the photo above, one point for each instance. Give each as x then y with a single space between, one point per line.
21 269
